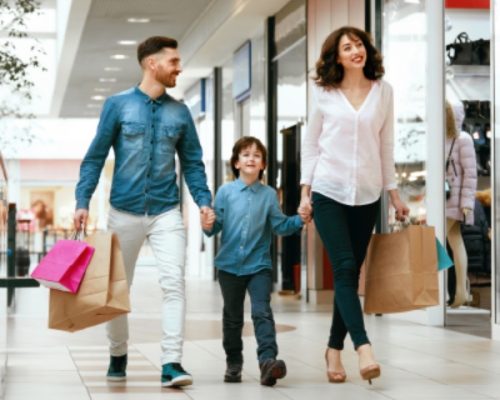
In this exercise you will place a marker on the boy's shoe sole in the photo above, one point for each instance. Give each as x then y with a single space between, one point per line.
116 378
183 380
276 369
232 379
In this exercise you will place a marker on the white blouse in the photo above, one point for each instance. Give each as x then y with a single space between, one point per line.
347 154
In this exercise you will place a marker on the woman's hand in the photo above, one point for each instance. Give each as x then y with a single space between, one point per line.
402 211
305 206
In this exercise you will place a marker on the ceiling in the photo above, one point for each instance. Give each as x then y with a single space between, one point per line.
208 32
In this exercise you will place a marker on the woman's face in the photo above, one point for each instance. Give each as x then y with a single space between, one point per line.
351 52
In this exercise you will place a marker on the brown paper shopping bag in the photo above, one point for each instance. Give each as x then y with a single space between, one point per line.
103 294
401 271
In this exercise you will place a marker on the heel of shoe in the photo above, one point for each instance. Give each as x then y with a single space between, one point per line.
370 372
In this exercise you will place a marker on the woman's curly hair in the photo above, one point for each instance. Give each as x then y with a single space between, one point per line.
329 73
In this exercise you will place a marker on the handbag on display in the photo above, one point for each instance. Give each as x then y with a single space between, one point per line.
64 265
464 51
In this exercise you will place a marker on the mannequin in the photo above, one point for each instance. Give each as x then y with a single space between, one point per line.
461 174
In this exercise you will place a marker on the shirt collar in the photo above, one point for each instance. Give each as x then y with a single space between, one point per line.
147 99
243 186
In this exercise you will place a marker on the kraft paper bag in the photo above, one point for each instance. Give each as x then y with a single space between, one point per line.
64 265
103 293
401 271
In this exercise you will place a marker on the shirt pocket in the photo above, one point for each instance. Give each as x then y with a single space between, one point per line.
133 135
168 138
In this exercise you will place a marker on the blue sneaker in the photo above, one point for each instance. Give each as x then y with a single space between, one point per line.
117 368
172 374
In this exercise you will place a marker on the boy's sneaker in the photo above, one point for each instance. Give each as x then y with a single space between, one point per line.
117 368
270 370
233 372
172 374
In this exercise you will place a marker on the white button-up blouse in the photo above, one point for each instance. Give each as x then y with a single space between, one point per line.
347 154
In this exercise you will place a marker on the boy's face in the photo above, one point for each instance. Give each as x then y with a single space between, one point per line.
250 162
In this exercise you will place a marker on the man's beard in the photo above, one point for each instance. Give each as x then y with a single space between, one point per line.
167 80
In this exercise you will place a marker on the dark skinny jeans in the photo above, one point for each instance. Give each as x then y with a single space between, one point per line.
259 287
345 232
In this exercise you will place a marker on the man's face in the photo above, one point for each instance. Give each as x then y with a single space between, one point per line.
166 66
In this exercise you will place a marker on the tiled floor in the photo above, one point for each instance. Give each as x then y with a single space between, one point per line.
418 362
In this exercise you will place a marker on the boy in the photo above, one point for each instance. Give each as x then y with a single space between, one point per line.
247 212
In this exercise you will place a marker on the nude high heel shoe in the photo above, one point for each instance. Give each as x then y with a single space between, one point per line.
371 371
334 376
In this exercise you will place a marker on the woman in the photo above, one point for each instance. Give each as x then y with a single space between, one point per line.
461 174
347 160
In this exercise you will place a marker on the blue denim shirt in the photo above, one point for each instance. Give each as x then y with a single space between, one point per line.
144 134
247 217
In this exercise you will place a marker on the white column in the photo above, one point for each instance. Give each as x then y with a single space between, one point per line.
435 111
495 28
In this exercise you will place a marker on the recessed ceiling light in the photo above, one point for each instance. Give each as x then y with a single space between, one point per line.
119 57
127 42
112 69
98 97
101 90
138 20
110 80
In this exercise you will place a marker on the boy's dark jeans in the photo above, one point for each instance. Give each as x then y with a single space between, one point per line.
259 286
345 232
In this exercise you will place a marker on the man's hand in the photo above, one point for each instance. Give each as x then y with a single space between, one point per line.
80 218
207 218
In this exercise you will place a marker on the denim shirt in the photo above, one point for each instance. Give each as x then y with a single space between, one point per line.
144 134
247 217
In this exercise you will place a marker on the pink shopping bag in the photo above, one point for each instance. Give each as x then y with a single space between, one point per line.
64 265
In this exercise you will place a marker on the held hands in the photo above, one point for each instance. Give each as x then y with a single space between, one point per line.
80 218
305 206
207 218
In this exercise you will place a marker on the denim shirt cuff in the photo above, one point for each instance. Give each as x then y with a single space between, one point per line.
82 203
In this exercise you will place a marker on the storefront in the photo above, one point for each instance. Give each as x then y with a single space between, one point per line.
424 73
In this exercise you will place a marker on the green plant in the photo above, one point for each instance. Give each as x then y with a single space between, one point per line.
16 84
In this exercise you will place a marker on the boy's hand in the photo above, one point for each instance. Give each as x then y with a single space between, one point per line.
207 218
305 214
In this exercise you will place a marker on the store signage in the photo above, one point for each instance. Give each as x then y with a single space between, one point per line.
485 4
242 71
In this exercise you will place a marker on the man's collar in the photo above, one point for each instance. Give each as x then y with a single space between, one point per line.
147 99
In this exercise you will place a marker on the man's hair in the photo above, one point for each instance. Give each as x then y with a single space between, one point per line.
240 145
154 45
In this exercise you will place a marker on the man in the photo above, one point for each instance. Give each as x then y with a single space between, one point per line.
146 127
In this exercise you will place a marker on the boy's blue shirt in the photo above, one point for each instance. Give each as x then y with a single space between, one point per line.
145 135
247 217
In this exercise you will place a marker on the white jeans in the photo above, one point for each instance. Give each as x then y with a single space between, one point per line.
167 237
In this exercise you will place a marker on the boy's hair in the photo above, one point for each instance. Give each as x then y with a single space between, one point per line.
154 45
240 145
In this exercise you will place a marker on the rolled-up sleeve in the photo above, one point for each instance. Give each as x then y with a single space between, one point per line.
310 147
387 142
93 162
193 168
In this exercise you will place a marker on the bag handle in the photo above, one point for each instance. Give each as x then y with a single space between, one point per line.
450 159
79 234
462 37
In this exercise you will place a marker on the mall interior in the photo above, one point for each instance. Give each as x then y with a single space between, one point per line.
247 70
